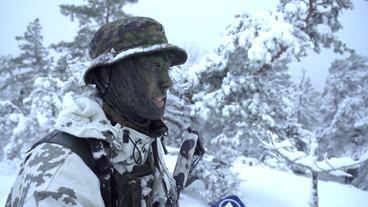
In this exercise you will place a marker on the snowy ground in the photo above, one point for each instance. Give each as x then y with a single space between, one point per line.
264 187
261 187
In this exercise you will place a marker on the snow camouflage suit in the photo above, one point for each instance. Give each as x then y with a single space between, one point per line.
54 175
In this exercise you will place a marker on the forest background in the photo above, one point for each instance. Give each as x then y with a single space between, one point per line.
246 86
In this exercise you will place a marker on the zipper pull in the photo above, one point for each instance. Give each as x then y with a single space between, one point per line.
126 136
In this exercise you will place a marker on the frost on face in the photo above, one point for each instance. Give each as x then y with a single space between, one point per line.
37 171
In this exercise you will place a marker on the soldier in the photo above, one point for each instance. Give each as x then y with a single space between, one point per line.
108 150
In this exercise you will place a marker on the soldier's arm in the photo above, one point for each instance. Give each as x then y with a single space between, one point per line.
55 176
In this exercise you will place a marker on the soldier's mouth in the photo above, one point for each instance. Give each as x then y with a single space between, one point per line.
159 102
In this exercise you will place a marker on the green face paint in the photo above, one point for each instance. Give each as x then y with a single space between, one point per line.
137 86
153 73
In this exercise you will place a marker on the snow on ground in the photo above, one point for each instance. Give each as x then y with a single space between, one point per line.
261 187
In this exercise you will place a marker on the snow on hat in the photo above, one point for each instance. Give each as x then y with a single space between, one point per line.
126 37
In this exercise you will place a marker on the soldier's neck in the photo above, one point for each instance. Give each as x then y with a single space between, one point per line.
136 123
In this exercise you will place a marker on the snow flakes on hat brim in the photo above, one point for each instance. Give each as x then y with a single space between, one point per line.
178 56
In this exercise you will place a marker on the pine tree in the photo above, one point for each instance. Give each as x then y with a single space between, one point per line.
9 115
90 16
6 73
42 85
319 20
177 114
34 93
345 111
32 62
345 106
307 102
42 106
40 110
33 54
243 90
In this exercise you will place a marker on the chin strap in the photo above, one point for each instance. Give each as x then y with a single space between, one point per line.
107 86
99 81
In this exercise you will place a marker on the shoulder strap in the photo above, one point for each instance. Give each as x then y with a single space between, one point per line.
84 148
79 146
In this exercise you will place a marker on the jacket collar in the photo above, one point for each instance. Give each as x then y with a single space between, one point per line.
83 117
151 128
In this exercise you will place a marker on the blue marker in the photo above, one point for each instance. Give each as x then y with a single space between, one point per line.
230 201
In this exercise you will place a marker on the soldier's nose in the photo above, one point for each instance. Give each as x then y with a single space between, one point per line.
166 85
166 82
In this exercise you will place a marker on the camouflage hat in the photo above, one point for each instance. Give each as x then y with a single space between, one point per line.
127 37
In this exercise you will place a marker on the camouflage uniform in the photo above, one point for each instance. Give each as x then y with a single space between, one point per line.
54 175
51 177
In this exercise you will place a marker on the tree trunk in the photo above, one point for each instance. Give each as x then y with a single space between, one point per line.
313 202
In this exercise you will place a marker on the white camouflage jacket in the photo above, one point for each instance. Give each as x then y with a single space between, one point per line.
53 175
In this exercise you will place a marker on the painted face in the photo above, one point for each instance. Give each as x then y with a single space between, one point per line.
153 73
138 86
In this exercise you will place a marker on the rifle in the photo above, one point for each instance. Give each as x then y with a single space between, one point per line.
191 151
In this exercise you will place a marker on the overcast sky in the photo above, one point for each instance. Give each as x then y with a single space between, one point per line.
196 22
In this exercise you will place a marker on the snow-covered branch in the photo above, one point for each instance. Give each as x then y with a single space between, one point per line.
284 149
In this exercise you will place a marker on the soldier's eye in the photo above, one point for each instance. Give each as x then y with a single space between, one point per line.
156 67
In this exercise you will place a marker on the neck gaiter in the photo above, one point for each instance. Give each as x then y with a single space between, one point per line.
121 88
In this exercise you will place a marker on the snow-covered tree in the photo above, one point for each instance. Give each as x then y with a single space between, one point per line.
318 20
283 149
9 114
6 73
345 106
177 117
345 111
177 114
243 89
33 54
90 16
307 102
33 61
42 107
33 91
218 179
18 75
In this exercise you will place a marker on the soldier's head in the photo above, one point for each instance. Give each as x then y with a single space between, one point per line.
130 67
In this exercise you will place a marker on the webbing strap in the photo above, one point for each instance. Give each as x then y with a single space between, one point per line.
82 147
79 146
